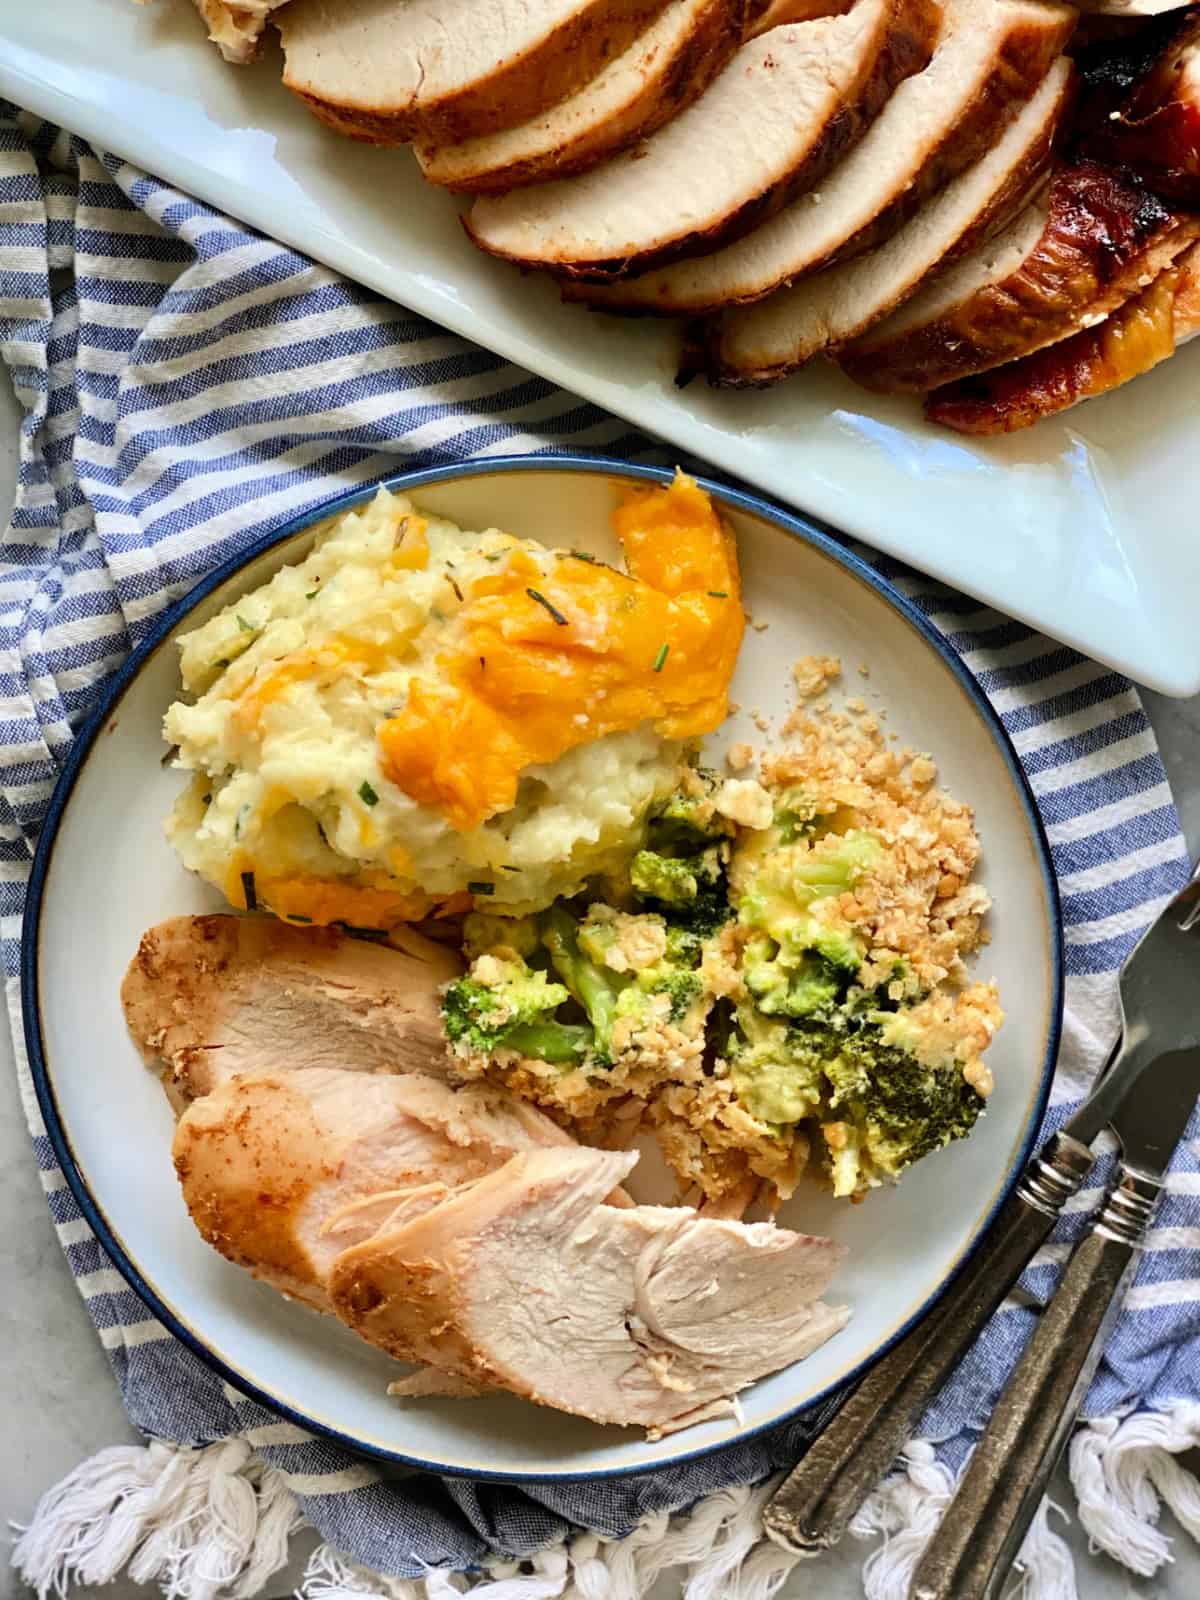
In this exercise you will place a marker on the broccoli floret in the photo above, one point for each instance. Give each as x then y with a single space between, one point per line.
796 815
595 987
670 879
878 1106
807 985
688 822
685 946
513 1009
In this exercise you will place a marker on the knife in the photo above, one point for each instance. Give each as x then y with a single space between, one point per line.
813 1507
970 1555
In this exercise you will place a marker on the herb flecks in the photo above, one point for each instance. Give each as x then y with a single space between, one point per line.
294 916
664 651
719 594
456 589
246 627
367 795
481 888
248 891
584 555
534 594
170 756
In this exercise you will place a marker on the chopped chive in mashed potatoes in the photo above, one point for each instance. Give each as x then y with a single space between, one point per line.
418 717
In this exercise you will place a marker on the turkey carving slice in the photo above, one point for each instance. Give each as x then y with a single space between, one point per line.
770 126
215 996
388 71
661 72
282 1171
1099 240
1135 338
990 57
647 1316
761 343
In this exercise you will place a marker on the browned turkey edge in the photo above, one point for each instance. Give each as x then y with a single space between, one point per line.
908 29
989 61
566 58
1137 336
629 99
1104 238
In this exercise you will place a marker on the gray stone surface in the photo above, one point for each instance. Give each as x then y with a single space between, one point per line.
58 1402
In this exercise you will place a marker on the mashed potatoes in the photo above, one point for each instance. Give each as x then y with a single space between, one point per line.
418 716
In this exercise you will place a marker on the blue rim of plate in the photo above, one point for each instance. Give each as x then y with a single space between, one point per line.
796 527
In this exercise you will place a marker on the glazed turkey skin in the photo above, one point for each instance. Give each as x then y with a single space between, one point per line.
771 125
648 1316
990 57
391 71
1137 336
664 69
1099 239
283 1171
759 344
211 997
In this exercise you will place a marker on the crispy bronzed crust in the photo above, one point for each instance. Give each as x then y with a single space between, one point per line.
558 66
1104 238
911 31
1143 332
663 93
1156 129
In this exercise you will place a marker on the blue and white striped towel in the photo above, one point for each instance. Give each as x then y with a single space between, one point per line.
187 385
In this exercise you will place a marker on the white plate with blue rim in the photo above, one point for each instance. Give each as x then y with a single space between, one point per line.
104 873
1073 526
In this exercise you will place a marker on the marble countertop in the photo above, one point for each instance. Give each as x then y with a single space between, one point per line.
58 1398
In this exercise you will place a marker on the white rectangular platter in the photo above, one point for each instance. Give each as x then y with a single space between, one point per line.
1084 527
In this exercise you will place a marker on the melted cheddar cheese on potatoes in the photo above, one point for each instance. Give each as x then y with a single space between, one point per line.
419 717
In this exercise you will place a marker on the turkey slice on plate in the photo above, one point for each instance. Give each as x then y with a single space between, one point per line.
787 105
1063 265
990 57
764 342
663 70
211 997
525 1281
388 71
1136 337
283 1171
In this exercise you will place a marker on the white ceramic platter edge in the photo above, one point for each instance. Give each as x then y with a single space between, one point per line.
104 873
1073 526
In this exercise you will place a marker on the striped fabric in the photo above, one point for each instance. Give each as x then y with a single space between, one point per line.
187 385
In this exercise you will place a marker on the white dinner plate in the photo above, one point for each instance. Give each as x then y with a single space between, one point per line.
1081 526
104 873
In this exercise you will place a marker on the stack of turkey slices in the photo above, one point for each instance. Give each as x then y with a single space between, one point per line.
896 184
323 1144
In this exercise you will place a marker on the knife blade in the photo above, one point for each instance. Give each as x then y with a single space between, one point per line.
981 1534
1158 995
813 1507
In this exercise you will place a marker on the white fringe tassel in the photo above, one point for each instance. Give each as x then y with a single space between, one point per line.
1123 1472
198 1522
216 1522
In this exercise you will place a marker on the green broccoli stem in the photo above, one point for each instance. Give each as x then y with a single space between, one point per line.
556 1042
595 989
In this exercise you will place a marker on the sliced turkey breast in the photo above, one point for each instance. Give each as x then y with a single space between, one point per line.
525 1281
212 997
990 57
282 1171
663 71
764 342
1135 338
1060 267
388 71
237 29
771 125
